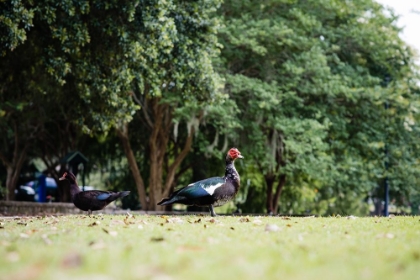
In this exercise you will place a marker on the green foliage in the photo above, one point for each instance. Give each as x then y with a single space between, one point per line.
324 92
311 80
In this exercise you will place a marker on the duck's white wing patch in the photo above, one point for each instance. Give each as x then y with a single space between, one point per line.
210 189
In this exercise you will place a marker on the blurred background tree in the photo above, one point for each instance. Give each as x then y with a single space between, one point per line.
321 97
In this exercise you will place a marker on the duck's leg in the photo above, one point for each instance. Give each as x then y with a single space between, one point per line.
213 214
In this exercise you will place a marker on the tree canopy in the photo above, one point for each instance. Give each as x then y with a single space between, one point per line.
321 97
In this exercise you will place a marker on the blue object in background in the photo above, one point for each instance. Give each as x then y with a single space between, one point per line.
42 188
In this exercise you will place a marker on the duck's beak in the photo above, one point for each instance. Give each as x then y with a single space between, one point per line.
63 177
240 156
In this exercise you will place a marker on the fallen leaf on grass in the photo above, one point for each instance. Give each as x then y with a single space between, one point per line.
46 239
72 260
285 218
232 228
13 256
270 227
244 220
157 239
112 233
95 223
175 220
188 248
116 223
289 225
213 221
197 221
128 222
97 245
385 235
5 243
22 223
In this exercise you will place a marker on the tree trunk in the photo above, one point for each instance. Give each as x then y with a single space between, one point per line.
125 141
276 198
269 181
158 142
158 116
14 167
272 199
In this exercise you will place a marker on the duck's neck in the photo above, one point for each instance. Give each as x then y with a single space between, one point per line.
230 172
74 189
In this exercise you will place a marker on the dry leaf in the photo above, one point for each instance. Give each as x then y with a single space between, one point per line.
175 220
157 239
385 235
244 220
213 221
285 218
232 228
197 221
72 260
97 245
289 225
46 239
112 233
13 256
95 223
24 235
22 223
116 222
186 248
270 227
128 222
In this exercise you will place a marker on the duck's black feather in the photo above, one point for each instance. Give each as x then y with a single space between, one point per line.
90 200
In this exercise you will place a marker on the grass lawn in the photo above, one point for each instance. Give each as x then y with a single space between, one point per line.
201 247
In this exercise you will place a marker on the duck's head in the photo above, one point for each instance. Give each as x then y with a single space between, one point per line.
69 177
234 154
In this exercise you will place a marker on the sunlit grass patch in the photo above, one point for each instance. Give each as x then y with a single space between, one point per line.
202 247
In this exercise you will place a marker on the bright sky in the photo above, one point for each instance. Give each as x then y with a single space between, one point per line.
409 12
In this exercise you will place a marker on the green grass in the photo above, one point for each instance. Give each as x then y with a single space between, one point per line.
200 247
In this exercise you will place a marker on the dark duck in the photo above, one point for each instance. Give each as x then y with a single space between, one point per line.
211 192
90 200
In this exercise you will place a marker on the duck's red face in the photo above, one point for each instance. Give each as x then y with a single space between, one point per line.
235 153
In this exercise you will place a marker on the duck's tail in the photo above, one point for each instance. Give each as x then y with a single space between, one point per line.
125 193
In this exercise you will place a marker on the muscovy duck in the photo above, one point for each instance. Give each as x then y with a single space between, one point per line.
211 192
90 200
